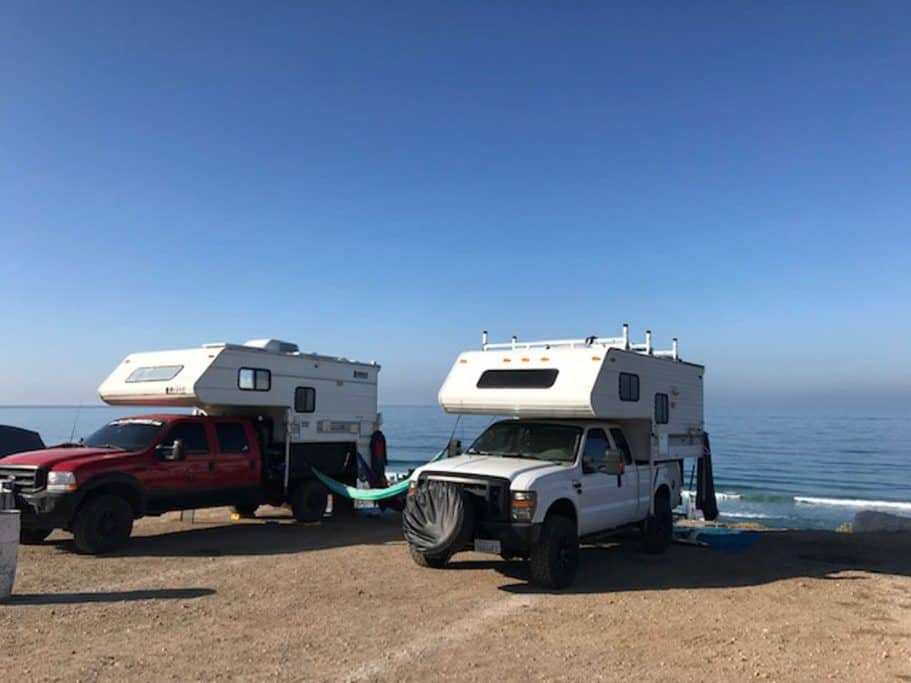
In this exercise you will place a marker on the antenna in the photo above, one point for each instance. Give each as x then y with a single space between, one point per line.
75 421
674 348
648 342
484 340
626 336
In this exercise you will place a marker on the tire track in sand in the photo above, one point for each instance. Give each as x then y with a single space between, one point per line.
435 640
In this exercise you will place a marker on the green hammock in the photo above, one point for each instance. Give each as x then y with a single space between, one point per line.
368 494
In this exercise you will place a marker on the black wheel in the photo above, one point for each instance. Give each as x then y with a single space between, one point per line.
33 536
102 524
425 560
308 501
658 530
555 558
246 509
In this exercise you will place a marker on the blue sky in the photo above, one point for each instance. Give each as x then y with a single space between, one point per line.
385 180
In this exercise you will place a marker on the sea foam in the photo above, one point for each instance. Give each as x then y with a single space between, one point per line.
854 503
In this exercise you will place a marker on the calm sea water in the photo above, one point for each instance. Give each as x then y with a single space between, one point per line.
783 470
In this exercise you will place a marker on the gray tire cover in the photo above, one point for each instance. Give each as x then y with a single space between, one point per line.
434 518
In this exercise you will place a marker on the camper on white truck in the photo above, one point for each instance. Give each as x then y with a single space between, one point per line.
596 435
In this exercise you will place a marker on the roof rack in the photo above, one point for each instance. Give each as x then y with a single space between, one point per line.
623 343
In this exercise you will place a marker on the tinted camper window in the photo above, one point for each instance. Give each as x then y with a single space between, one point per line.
662 412
154 373
518 379
254 379
305 399
629 387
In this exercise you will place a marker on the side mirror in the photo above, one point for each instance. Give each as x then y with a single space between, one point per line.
171 452
588 465
614 463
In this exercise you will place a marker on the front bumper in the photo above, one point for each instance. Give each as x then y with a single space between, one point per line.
515 538
43 510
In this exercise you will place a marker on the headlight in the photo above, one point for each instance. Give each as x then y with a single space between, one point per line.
61 482
412 487
523 505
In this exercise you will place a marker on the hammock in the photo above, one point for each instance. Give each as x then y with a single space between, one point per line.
368 494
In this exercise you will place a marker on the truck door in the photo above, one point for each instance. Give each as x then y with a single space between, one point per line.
177 484
603 500
636 476
237 463
201 476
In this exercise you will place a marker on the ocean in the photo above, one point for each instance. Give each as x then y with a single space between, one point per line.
773 467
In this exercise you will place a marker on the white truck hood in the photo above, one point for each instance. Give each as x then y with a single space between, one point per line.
491 466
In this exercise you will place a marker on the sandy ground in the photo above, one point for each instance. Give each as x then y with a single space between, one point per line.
269 599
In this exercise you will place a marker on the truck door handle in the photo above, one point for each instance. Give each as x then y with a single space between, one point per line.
578 486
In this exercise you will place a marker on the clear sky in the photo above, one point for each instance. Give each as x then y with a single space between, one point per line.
385 180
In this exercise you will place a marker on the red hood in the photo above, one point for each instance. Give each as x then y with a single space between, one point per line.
54 456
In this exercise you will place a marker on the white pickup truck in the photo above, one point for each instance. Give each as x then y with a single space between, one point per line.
532 488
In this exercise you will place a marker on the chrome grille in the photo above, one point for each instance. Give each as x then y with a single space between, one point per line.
26 479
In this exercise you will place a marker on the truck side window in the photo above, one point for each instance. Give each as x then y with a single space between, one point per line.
232 437
629 387
622 444
193 435
595 446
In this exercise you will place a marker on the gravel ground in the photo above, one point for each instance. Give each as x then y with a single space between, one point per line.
270 599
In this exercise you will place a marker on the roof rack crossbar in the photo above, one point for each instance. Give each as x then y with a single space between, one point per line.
623 343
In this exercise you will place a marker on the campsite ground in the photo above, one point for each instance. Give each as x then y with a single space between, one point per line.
269 599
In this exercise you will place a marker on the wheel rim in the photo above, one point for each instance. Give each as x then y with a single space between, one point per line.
107 525
566 555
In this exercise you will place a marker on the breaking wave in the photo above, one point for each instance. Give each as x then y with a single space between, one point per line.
854 503
747 515
719 495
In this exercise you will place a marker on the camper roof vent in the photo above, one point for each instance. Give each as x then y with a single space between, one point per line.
273 345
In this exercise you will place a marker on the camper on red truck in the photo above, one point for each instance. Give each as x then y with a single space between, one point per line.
265 415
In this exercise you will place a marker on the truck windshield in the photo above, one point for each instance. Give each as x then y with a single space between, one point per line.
129 435
536 440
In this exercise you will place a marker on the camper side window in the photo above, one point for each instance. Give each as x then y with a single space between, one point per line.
254 379
662 412
629 387
305 399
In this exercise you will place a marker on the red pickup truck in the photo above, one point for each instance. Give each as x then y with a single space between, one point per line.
153 464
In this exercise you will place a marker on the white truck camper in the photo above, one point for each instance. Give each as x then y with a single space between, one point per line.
308 410
597 433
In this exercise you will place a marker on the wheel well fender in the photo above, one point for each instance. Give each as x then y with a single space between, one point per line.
662 491
565 508
123 485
